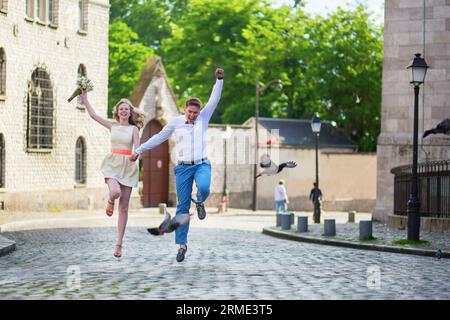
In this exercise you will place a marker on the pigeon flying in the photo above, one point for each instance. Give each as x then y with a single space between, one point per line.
270 168
442 127
169 224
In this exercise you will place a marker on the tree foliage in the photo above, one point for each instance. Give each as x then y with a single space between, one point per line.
126 59
331 64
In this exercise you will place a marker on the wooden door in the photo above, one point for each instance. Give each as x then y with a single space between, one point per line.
155 169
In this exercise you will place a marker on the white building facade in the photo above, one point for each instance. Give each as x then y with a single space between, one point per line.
51 150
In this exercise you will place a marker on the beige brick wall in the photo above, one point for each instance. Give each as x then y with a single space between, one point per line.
59 51
407 33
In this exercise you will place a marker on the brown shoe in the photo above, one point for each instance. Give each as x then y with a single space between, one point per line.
110 208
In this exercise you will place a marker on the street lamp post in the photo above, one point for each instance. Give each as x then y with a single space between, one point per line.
418 68
259 89
315 126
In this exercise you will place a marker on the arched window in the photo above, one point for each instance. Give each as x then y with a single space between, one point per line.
40 111
81 73
2 161
80 161
2 72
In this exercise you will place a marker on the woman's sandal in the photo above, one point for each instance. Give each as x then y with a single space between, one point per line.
110 208
118 251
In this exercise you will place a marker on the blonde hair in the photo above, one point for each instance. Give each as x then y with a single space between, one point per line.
137 116
281 181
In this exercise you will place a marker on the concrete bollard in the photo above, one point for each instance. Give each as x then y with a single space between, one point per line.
329 227
286 221
351 216
302 224
365 229
162 207
292 218
278 215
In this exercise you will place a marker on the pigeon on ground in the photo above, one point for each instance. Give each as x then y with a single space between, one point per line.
442 127
169 224
270 168
439 254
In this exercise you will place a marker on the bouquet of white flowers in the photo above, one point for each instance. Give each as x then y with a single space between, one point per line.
83 83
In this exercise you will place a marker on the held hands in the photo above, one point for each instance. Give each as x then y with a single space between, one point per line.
219 73
134 157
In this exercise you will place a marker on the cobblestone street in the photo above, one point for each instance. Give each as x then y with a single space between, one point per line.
220 264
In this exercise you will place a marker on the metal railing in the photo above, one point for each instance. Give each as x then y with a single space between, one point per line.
434 188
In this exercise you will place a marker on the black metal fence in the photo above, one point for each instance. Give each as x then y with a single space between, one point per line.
434 188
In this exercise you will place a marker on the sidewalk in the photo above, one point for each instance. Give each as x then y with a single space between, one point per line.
347 235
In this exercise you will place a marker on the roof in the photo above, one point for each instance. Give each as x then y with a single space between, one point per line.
152 68
297 132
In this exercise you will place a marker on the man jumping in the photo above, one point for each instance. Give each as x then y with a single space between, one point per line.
192 162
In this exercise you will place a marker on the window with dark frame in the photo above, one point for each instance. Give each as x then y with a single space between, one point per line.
2 72
80 161
4 5
29 9
83 15
40 111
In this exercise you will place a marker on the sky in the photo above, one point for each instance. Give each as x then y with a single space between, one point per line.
322 7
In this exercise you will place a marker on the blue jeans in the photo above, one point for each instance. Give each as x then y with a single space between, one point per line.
280 206
185 176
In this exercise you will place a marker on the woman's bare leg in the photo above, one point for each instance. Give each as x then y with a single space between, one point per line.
124 202
114 192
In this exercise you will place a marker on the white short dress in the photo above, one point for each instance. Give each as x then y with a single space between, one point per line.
117 164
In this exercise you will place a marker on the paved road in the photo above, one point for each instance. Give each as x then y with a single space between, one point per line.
220 264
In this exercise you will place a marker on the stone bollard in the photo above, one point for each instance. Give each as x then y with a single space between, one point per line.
162 207
365 230
286 221
302 224
292 218
329 227
351 216
278 219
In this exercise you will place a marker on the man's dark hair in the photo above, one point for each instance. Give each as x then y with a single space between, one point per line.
193 102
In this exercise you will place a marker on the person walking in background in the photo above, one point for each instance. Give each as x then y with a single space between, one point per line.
316 198
281 198
121 174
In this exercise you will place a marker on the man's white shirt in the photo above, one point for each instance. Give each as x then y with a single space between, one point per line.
190 138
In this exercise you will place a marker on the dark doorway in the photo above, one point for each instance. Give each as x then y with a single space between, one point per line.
155 169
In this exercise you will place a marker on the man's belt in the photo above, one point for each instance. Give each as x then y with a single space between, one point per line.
191 163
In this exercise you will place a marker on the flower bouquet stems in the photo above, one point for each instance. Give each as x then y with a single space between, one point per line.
83 84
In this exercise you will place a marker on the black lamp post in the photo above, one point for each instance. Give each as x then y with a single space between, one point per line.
418 68
315 126
259 89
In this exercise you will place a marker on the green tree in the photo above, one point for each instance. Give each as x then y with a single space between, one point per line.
346 73
202 40
126 59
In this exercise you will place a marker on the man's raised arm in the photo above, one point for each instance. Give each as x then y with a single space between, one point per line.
214 99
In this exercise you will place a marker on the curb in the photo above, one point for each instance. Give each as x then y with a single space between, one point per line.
6 246
288 235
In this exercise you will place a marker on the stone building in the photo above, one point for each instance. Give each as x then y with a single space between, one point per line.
51 150
412 26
